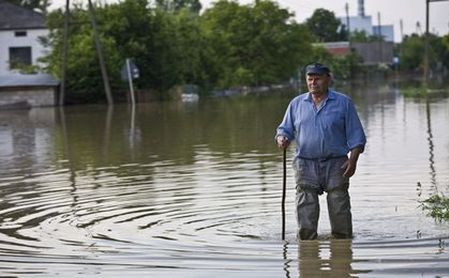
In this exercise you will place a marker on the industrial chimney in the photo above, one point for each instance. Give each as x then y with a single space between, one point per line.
361 8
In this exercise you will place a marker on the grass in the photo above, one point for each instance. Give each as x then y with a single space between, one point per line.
437 206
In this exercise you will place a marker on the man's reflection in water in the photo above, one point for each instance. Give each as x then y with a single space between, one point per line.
314 261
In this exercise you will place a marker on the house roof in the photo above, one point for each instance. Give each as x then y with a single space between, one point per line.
16 17
27 80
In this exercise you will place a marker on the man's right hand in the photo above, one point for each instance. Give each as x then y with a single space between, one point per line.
282 142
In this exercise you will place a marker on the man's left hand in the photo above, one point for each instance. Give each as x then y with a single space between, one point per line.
349 168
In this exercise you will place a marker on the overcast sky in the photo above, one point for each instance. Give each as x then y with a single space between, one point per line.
391 12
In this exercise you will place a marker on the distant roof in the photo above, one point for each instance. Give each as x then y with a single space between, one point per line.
27 80
16 17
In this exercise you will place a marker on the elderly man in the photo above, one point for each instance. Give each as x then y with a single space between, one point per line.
329 138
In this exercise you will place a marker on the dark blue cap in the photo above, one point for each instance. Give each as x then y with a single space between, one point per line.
317 68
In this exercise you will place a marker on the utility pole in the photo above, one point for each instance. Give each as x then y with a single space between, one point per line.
348 23
349 37
426 45
426 48
380 38
401 28
64 53
104 73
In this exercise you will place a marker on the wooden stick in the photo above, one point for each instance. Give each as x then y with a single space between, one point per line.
284 186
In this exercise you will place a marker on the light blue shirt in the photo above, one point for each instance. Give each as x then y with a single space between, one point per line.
328 131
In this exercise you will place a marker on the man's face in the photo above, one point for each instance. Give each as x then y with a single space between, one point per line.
318 83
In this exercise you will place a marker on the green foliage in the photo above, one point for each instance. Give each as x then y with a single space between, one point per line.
24 69
445 58
325 26
84 81
412 52
256 44
228 45
437 206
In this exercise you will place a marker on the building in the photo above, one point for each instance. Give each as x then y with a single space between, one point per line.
20 30
28 90
364 23
338 49
372 53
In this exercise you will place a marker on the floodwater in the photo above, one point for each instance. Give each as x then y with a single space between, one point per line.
194 190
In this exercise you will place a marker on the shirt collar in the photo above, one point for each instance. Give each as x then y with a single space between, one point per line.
330 95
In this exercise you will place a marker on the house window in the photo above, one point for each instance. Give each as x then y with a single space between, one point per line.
19 56
20 33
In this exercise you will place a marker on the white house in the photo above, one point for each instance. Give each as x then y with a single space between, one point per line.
20 29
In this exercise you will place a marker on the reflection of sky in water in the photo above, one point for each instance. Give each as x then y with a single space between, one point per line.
198 188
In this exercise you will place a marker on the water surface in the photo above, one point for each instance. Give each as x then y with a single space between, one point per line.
194 190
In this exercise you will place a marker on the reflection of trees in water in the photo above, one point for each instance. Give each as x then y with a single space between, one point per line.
172 131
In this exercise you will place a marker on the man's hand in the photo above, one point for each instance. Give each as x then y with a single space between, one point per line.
282 142
349 168
351 164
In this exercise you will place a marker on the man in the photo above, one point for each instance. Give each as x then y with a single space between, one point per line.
326 128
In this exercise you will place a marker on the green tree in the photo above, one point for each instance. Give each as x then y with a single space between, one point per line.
325 26
413 49
445 58
412 52
168 48
254 44
229 45
84 82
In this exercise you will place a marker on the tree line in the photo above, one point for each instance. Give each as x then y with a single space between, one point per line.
171 43
227 45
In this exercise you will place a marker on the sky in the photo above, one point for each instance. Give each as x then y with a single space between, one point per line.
391 12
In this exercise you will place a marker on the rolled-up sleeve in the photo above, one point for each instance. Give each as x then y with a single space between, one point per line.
287 127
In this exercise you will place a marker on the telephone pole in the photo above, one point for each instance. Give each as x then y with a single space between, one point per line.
104 72
64 53
426 48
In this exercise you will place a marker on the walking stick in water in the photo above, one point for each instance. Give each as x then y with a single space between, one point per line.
284 185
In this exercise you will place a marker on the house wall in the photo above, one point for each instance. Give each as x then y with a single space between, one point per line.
34 96
8 39
374 53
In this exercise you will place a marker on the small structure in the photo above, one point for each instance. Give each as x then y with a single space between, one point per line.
375 53
372 53
339 49
20 30
26 91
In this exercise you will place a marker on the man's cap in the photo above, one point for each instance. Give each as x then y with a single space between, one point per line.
317 68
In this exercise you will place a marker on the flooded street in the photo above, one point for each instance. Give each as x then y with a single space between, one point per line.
194 190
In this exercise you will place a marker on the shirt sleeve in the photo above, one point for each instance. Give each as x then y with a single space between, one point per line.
287 127
354 130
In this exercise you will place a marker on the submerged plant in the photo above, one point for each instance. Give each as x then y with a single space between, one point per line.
437 206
